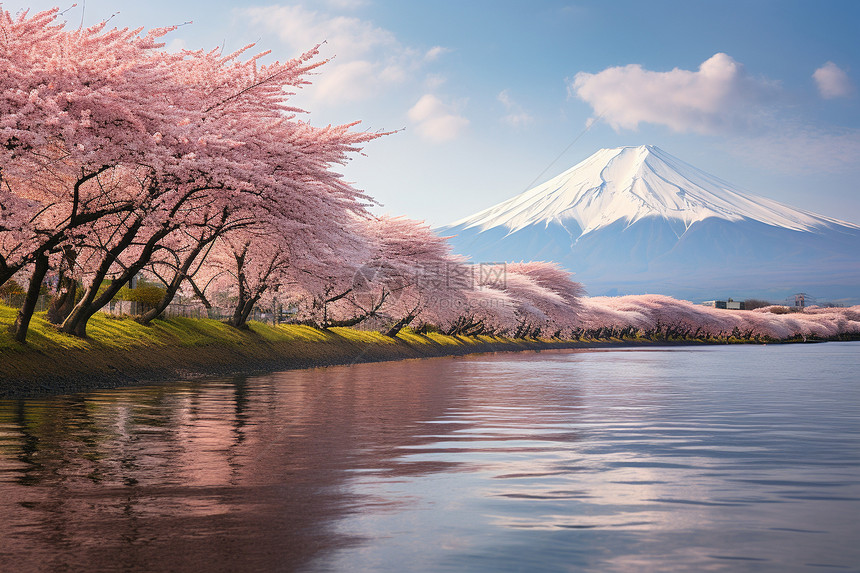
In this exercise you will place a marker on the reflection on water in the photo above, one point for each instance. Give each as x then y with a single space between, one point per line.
723 458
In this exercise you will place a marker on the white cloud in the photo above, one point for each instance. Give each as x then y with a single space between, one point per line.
832 81
346 82
300 29
435 121
347 4
516 116
435 52
719 96
425 108
367 58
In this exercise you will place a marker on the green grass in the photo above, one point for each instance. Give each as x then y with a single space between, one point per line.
105 331
41 334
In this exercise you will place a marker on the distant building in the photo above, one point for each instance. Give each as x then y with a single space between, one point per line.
800 301
726 304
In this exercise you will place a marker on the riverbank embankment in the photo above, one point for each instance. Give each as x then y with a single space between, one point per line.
121 352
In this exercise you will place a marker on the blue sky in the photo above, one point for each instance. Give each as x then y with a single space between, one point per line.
761 93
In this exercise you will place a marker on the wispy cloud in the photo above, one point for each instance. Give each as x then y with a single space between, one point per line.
436 121
347 4
516 116
368 59
718 96
435 53
301 28
832 81
434 81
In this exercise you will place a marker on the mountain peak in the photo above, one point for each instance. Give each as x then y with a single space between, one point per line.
633 183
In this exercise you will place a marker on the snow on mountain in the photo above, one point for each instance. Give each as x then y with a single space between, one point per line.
636 219
631 183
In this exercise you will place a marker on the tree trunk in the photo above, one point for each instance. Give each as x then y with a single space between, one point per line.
6 272
22 321
62 304
67 288
243 311
476 329
92 301
173 287
346 323
72 323
522 330
76 322
356 319
199 294
244 303
458 327
80 328
401 324
169 294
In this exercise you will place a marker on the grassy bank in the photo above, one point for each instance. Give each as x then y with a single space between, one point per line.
120 351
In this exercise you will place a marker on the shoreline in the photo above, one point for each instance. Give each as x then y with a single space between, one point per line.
121 352
39 373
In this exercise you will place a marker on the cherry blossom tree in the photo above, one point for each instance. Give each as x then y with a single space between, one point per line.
400 274
184 131
71 109
519 299
251 262
419 270
551 291
342 289
486 310
280 169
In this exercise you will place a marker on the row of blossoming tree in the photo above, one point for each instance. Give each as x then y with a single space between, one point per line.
119 158
665 318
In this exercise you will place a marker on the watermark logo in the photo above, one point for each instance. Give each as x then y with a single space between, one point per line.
365 278
371 279
492 275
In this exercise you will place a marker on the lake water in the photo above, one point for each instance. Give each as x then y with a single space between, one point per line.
731 458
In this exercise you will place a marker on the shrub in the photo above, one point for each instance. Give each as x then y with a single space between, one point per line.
11 288
776 309
147 294
12 293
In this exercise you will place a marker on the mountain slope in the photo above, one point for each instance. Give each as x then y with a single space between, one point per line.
636 219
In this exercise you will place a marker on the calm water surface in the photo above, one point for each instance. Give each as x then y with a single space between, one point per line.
687 459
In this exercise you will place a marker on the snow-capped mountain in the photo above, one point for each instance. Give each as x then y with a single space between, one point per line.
637 219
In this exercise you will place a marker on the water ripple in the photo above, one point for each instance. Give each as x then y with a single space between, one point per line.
704 459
